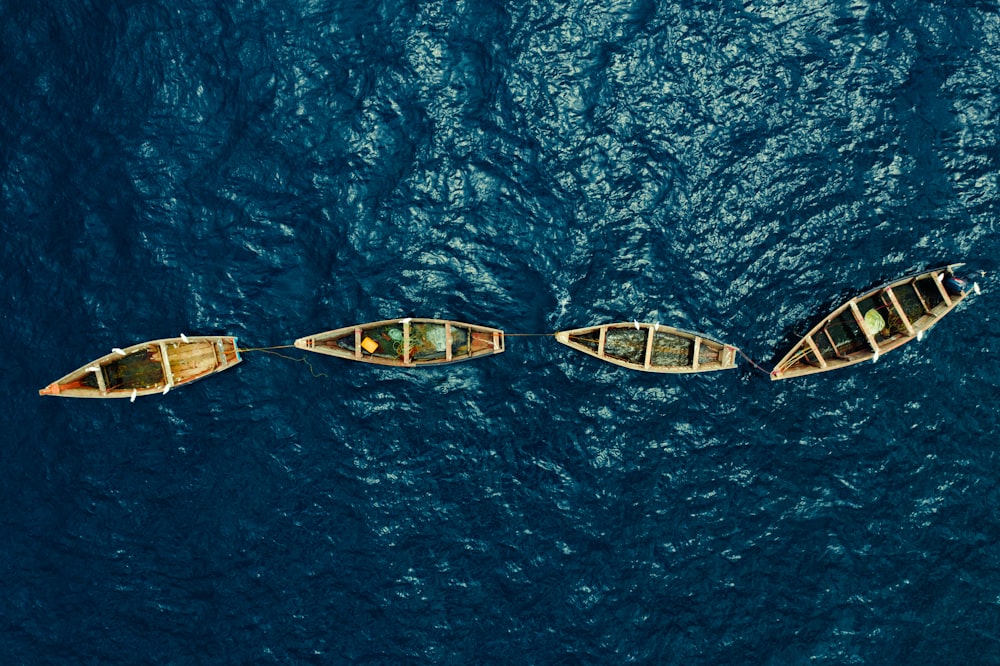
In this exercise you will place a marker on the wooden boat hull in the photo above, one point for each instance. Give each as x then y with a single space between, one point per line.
148 368
408 342
874 323
651 347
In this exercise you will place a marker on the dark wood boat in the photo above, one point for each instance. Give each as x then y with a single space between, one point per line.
876 322
148 368
651 347
407 342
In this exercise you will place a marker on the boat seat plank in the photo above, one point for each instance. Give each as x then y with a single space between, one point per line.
815 350
836 349
221 360
861 324
938 277
168 372
697 353
649 347
406 343
102 385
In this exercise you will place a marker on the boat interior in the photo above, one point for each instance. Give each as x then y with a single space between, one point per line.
883 320
139 370
428 341
628 344
192 360
671 350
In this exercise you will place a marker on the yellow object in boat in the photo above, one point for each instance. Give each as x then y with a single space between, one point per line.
874 322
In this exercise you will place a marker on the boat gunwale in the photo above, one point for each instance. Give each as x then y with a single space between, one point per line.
883 348
498 336
565 337
131 349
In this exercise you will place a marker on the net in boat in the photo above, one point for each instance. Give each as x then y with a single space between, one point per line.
626 344
874 322
671 351
139 370
429 341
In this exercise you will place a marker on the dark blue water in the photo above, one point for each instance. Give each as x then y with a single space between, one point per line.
273 169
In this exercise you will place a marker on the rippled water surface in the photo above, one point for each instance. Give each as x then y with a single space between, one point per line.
270 170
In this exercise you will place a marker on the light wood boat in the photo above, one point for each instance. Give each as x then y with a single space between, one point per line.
876 322
651 347
148 368
407 342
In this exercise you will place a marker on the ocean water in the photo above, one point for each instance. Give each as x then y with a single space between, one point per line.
274 169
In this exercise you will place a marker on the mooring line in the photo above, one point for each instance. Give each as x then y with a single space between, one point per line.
528 335
752 362
270 350
264 349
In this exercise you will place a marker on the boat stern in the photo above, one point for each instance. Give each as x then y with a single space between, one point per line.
729 356
51 389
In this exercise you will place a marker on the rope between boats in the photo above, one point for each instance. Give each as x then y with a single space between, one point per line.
270 350
752 362
264 349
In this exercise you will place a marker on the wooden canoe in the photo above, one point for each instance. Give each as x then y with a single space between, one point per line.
876 322
407 342
650 347
148 368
